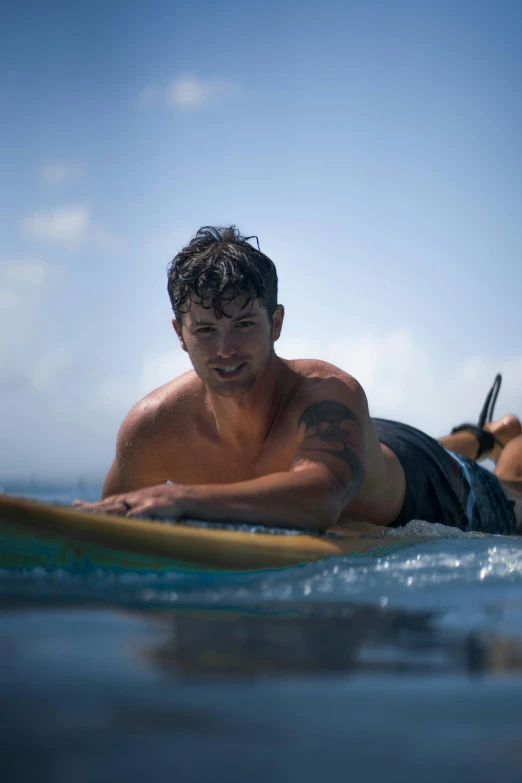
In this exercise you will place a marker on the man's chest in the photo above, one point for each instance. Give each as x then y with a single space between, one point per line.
201 461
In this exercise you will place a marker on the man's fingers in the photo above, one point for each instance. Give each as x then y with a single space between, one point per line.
146 504
144 510
109 506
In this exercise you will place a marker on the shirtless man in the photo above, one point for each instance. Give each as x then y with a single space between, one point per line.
249 437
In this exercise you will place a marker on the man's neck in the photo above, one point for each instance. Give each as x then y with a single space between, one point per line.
245 421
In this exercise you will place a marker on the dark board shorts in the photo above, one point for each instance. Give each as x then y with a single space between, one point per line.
445 487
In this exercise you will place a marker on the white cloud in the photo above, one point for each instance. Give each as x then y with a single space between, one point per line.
66 226
71 227
186 93
57 173
190 93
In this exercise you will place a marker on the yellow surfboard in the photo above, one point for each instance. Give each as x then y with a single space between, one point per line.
34 534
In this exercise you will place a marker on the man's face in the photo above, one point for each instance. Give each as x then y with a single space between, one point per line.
230 353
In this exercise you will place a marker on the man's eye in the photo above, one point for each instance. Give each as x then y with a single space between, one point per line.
205 329
245 323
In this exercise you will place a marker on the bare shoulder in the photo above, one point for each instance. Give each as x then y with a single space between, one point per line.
321 380
162 410
319 370
148 437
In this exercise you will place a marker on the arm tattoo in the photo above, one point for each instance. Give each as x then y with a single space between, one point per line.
323 421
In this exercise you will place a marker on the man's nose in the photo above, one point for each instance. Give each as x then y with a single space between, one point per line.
226 346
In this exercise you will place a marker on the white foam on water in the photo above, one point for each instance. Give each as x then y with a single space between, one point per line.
419 527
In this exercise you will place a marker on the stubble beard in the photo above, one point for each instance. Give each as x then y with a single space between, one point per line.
228 388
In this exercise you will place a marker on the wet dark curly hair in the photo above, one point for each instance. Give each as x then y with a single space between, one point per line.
220 264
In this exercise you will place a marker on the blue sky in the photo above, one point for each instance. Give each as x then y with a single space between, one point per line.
374 148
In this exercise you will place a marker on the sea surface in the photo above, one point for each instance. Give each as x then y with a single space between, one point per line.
399 668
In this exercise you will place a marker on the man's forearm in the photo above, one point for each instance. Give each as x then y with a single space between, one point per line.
308 500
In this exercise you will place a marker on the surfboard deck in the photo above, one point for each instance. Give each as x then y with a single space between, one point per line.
35 534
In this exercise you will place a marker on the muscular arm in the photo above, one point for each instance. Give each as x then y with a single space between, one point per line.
333 429
327 471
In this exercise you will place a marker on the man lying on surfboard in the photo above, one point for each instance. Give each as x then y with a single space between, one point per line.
249 437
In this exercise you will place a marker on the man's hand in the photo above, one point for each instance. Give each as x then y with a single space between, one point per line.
164 501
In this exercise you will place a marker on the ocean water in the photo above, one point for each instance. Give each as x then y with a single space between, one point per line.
408 665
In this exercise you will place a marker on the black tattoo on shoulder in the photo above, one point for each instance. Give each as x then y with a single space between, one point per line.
323 421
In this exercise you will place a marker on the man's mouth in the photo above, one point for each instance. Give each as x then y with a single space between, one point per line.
232 371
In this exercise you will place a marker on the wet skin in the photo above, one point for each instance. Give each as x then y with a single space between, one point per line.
250 437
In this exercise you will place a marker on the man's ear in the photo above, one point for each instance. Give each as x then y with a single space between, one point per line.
277 322
177 329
